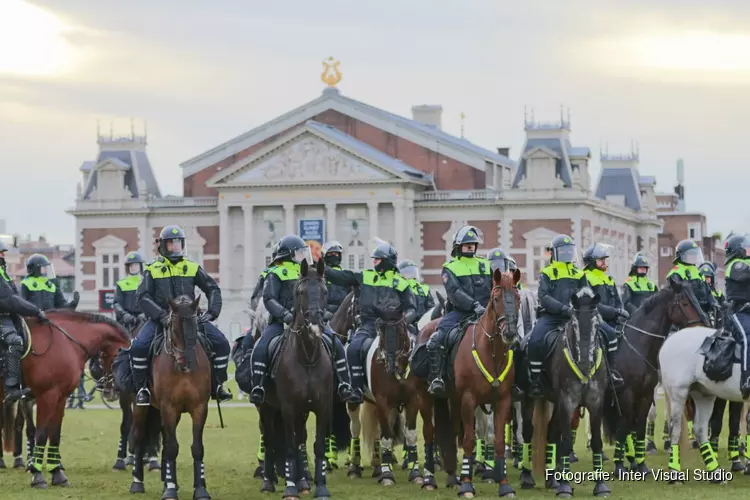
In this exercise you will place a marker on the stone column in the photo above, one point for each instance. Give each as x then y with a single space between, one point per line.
225 270
250 273
146 239
372 209
330 221
399 223
289 219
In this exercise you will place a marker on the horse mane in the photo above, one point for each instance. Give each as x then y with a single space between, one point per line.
91 318
655 300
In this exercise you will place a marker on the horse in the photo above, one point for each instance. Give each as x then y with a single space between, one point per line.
482 374
432 313
304 371
181 383
578 378
682 370
733 440
643 335
389 389
66 340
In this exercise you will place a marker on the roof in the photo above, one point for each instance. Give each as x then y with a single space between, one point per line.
137 168
561 147
647 180
397 168
620 181
424 135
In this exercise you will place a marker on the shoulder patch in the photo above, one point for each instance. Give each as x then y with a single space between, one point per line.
738 265
444 275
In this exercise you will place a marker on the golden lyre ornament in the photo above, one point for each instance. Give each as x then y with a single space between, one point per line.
331 74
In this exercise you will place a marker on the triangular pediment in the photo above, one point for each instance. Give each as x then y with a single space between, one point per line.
540 234
313 154
541 152
111 164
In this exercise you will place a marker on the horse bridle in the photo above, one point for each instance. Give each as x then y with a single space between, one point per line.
381 327
306 326
169 346
509 303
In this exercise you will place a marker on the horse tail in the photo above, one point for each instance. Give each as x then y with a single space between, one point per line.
9 427
539 442
445 434
370 426
340 425
610 418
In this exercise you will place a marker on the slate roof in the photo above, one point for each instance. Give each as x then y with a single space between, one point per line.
647 180
137 168
561 146
620 181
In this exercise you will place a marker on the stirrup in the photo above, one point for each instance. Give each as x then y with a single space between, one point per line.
222 394
257 395
437 387
143 398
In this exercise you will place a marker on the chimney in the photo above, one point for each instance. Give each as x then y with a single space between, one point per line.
429 114
504 152
679 189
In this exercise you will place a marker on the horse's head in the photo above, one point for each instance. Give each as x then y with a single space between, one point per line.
505 302
182 334
585 326
395 345
310 300
685 310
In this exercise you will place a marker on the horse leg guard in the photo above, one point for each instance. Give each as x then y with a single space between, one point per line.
355 459
466 487
550 461
386 472
501 475
321 490
290 475
429 482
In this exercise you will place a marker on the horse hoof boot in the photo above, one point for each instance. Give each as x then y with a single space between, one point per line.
620 470
747 469
154 465
573 458
354 472
451 482
527 479
429 483
258 471
322 493
119 465
667 445
415 477
130 460
564 490
377 470
516 463
59 479
488 476
200 493
505 490
38 481
169 494
304 486
387 478
18 463
641 468
551 484
696 445
290 493
267 486
651 448
137 488
466 490
601 490
737 465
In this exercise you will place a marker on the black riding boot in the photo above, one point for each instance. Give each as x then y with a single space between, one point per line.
358 382
12 376
536 389
437 357
143 398
345 390
258 393
745 378
617 380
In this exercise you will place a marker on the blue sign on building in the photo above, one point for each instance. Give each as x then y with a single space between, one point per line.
312 230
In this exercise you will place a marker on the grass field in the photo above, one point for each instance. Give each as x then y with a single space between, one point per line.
90 441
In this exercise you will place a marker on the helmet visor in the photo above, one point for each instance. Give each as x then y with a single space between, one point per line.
174 247
746 244
410 273
48 271
512 266
567 254
693 256
301 254
134 268
469 232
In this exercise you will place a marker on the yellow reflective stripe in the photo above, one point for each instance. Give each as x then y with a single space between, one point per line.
563 271
468 266
292 271
486 373
597 277
577 371
165 269
39 284
387 279
129 284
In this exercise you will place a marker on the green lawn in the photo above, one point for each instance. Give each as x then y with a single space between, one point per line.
90 441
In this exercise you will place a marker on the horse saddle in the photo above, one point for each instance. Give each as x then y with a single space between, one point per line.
720 351
547 346
275 348
158 343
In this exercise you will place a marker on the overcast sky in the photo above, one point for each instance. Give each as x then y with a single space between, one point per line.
671 75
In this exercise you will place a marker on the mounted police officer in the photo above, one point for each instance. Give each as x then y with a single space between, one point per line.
499 259
171 275
558 282
737 281
258 290
278 297
127 312
708 270
468 284
12 304
384 294
637 287
688 256
332 251
40 287
610 306
421 291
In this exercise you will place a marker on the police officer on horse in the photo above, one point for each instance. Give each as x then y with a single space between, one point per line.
737 281
688 256
127 312
332 251
421 291
637 287
40 287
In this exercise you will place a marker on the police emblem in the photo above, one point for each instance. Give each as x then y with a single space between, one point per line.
445 278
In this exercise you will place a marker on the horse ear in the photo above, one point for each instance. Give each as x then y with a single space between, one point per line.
321 266
195 303
675 285
497 277
516 276
303 268
574 301
172 304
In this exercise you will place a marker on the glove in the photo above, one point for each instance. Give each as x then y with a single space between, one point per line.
327 316
128 319
164 320
205 318
623 313
141 318
42 317
567 311
478 309
288 318
76 298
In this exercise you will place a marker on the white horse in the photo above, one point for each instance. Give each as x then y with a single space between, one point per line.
682 376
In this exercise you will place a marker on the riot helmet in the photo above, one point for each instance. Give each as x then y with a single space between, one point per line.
688 252
172 243
467 235
332 251
593 254
500 260
737 247
385 254
39 265
134 263
408 269
292 248
563 249
639 266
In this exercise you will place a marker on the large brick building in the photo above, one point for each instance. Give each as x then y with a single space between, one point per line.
352 172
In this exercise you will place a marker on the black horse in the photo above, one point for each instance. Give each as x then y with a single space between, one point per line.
637 360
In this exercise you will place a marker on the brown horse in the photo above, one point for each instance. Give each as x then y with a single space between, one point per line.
181 383
303 384
60 348
483 374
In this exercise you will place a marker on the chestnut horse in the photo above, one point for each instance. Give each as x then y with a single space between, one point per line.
60 348
181 383
483 374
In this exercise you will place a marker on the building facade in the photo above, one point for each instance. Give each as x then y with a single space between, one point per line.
337 168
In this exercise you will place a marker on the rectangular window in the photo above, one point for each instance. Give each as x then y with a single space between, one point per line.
665 251
694 231
539 261
110 266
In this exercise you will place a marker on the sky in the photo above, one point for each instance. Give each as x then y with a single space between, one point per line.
669 75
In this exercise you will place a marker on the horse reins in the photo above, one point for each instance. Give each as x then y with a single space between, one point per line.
52 325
